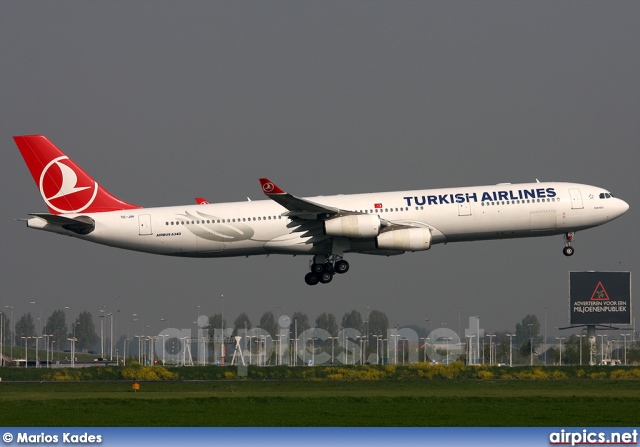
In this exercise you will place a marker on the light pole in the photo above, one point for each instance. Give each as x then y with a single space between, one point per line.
110 314
602 348
459 308
277 343
581 337
560 339
510 348
491 354
531 344
447 340
101 333
395 347
313 350
37 356
377 337
361 339
183 340
133 320
625 347
295 342
291 348
1 338
332 342
545 336
402 339
152 350
46 340
477 317
35 303
197 316
222 324
469 348
26 353
366 341
382 342
73 351
11 332
163 346
139 337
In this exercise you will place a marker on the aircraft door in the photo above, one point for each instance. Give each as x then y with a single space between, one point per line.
464 209
144 223
576 198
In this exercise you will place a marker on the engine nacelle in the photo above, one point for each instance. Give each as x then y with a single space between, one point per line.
406 239
357 226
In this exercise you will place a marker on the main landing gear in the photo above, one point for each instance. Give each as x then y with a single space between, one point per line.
322 270
568 249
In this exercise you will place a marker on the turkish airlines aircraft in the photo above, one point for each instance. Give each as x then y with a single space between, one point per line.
386 223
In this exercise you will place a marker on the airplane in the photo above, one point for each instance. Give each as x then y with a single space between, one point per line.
325 227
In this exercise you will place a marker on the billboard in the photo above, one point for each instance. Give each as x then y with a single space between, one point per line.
599 298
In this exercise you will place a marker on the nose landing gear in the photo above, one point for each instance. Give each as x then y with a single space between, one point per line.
324 267
568 249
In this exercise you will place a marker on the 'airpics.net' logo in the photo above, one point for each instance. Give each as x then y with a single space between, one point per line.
62 181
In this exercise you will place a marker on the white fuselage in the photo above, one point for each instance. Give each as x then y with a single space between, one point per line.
259 227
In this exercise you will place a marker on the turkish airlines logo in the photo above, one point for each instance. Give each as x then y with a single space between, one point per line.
268 187
60 189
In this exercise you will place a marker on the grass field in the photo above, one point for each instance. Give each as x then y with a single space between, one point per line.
327 403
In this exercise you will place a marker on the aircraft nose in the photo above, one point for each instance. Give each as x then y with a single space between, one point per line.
624 206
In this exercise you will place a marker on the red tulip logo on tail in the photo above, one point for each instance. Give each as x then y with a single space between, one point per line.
59 181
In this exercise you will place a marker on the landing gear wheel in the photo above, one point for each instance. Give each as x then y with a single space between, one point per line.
311 278
568 238
326 277
317 268
342 266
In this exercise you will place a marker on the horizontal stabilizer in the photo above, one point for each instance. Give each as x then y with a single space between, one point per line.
78 225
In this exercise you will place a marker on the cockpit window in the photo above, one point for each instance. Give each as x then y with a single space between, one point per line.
605 195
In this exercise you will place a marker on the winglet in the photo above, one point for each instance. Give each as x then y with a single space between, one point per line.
270 188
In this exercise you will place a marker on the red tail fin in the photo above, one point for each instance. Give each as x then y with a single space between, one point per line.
64 186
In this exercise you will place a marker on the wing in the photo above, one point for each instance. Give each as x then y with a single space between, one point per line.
312 219
298 207
306 217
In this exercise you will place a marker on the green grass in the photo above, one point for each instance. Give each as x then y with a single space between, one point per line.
327 403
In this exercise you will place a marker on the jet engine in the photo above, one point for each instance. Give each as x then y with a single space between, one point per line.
406 239
356 226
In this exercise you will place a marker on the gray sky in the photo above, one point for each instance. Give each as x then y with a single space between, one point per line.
166 101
